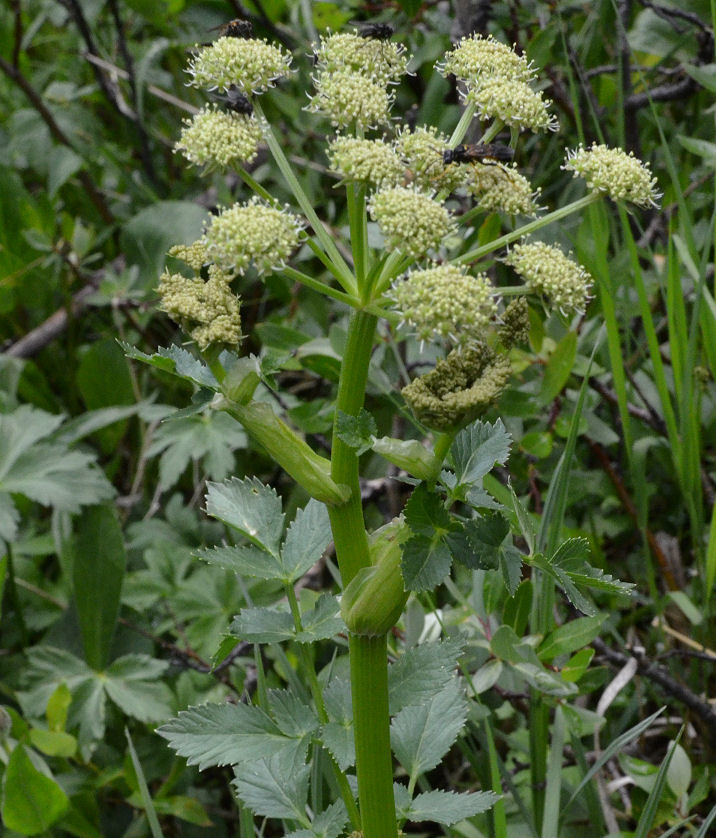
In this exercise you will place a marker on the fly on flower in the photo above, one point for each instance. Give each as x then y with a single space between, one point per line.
488 153
236 28
373 29
236 101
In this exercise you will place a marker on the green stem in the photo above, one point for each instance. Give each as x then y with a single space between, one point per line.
462 126
537 224
347 279
374 765
310 673
368 655
347 523
317 285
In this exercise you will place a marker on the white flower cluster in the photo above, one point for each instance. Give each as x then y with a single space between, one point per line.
250 64
550 272
216 138
620 175
411 221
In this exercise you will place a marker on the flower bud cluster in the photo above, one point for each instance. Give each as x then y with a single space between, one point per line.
499 188
444 301
250 64
497 82
422 151
383 61
219 138
210 304
548 271
370 161
620 175
411 221
460 388
353 75
254 232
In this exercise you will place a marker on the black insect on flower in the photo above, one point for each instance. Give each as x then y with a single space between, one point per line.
478 153
237 28
373 29
236 101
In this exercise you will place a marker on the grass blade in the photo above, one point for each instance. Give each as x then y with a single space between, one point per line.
149 810
550 821
614 748
649 811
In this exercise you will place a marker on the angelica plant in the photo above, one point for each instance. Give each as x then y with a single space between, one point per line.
413 279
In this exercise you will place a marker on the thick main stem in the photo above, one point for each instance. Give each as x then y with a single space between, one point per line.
368 655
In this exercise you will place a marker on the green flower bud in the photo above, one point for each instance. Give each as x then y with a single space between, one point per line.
422 151
476 57
411 221
370 161
547 270
446 302
620 175
408 454
502 189
459 389
374 599
217 139
292 453
252 232
348 98
515 323
513 102
247 63
382 61
241 380
211 304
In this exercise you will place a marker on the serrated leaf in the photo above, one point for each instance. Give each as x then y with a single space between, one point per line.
328 824
357 432
478 448
448 807
322 622
199 435
247 560
511 567
422 672
273 787
175 360
425 513
337 735
293 717
485 535
249 507
226 734
425 562
258 624
420 735
307 538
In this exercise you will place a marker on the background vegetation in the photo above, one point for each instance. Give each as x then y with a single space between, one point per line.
96 653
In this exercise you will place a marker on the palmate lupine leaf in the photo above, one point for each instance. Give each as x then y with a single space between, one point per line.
34 464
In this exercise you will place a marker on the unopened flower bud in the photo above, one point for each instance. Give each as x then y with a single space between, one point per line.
459 389
374 599
515 323
210 304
